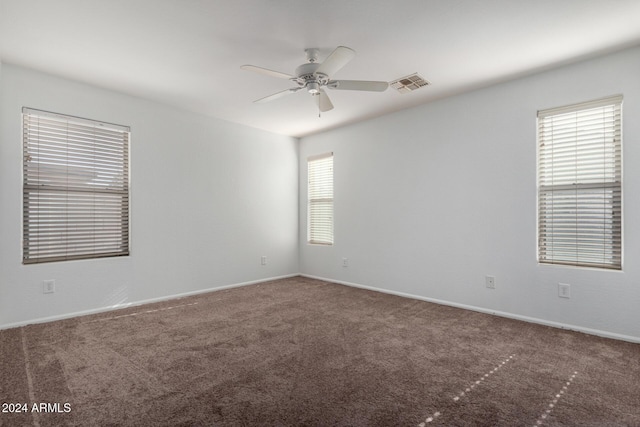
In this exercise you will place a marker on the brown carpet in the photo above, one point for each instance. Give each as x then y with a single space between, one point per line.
302 352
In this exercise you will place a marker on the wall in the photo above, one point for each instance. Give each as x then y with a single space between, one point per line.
208 199
430 200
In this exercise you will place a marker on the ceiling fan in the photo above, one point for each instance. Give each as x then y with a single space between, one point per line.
315 76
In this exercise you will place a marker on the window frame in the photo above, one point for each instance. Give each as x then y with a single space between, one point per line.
585 189
76 188
320 222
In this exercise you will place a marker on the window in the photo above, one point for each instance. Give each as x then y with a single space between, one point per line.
320 196
75 188
580 185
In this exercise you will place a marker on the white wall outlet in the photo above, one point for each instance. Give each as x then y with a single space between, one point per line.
48 286
345 262
564 290
490 281
263 260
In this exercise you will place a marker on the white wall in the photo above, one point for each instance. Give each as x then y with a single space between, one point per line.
208 198
430 200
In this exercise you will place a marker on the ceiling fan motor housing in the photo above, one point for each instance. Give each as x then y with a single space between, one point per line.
309 79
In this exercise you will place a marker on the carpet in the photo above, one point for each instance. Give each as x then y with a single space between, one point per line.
303 352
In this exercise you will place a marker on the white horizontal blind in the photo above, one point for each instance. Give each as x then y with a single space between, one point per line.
580 184
75 188
320 196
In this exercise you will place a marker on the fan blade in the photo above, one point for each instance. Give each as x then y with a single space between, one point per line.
338 59
267 72
322 101
277 95
371 86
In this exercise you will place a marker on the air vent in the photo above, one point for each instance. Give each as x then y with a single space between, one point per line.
409 83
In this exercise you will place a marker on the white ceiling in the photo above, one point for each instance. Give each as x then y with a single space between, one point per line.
188 53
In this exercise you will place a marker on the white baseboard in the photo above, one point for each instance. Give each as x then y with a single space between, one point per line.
559 325
138 303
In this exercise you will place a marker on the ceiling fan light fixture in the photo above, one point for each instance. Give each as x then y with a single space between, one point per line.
313 88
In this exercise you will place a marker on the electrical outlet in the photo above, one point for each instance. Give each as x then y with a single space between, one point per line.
564 290
490 281
263 260
345 262
48 286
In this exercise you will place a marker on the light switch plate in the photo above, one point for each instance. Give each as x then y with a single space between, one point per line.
564 290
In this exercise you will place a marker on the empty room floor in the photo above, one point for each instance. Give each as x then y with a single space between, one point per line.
301 351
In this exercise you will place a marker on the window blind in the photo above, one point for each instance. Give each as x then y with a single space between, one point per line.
75 188
320 197
580 184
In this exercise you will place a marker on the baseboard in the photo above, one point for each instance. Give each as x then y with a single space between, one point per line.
536 320
139 303
597 332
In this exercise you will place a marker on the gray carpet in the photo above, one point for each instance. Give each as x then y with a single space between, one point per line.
302 352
